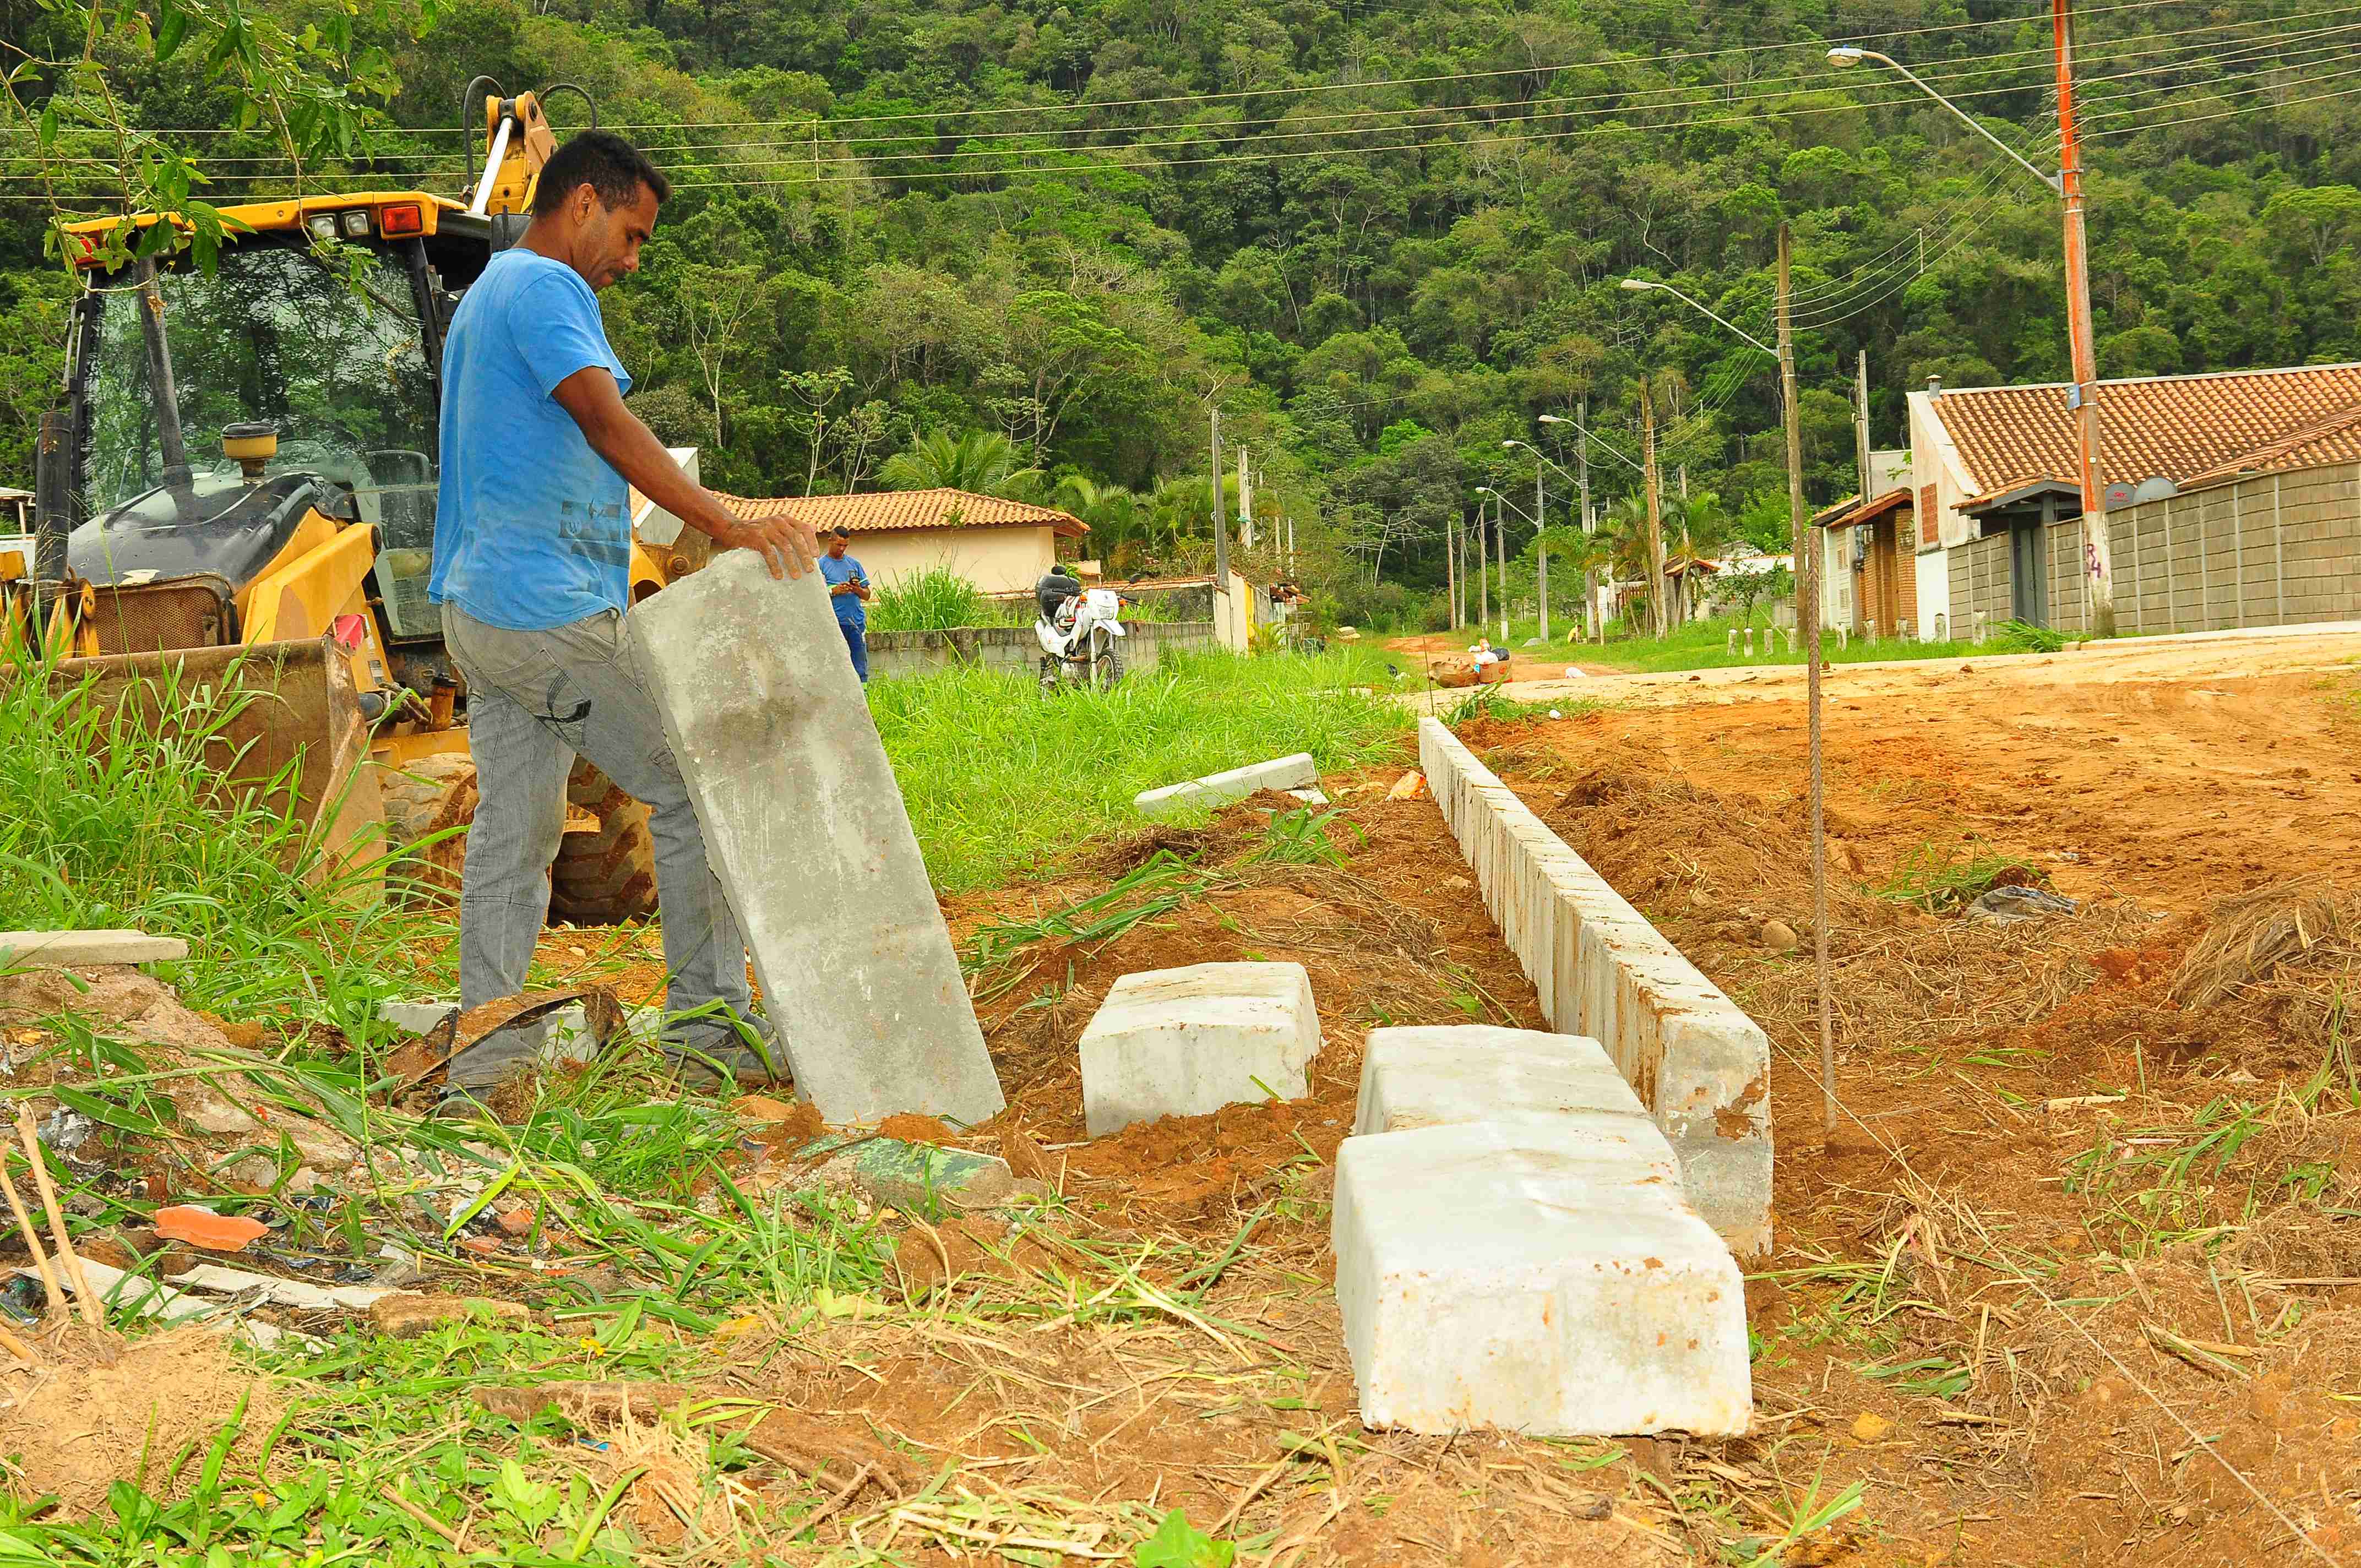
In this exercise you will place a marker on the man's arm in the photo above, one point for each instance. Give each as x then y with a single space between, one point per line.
591 397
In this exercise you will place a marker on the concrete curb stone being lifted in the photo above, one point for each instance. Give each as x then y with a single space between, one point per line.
1699 1064
805 825
1291 773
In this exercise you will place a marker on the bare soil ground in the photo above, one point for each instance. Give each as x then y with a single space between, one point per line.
2092 1227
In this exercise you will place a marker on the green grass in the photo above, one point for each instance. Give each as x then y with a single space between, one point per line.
1941 879
934 600
118 822
1003 782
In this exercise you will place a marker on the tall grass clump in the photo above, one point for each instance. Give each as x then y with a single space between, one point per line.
117 820
936 599
1003 781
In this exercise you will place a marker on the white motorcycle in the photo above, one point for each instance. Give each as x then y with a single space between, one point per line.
1078 639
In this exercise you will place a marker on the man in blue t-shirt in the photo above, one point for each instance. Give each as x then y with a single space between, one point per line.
848 589
532 551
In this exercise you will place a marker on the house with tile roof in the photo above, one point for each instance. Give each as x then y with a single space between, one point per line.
1002 546
1995 478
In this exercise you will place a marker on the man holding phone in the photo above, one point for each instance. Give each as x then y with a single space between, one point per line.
849 591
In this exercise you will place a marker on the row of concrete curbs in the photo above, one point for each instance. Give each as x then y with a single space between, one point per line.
1698 1065
1513 1247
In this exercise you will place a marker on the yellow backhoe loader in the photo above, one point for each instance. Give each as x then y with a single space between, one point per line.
309 360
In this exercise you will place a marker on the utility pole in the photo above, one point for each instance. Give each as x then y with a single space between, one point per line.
1655 515
1501 555
1861 421
1541 546
2097 553
1582 480
1451 568
1221 524
1245 504
1807 620
1483 575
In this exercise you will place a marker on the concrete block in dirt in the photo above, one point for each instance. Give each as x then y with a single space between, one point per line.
1436 1075
1523 1274
916 1179
806 828
73 949
1186 1042
1285 773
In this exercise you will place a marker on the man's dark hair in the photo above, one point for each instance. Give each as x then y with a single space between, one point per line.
605 162
840 531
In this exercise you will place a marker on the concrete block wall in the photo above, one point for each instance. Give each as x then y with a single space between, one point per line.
1700 1064
1015 648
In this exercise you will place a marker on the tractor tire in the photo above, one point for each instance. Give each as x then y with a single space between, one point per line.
428 796
606 875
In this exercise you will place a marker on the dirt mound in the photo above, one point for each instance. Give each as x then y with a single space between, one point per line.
99 1413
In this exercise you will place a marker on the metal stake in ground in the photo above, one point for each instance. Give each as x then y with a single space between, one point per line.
1807 616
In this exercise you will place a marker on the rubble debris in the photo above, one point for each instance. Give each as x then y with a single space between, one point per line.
1288 773
72 949
406 1314
126 1292
264 1288
478 1048
1780 936
1409 786
2009 905
204 1228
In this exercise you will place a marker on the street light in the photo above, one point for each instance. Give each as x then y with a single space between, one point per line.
1555 419
1541 543
1642 286
1503 501
2066 184
1846 54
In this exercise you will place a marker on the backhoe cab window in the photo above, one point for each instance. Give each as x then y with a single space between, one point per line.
276 337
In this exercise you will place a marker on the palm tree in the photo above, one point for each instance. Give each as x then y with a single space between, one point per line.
1113 512
981 461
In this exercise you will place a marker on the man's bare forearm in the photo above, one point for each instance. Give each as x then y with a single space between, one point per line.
619 435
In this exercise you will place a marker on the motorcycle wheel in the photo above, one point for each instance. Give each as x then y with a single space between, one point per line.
1107 668
1048 674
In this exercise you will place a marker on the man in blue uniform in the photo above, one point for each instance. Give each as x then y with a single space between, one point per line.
848 589
533 549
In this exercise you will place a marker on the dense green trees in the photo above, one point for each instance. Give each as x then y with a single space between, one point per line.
1380 240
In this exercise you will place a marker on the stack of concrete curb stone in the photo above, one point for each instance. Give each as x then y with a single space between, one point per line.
1513 1249
1700 1066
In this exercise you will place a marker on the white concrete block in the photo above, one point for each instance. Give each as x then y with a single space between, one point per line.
1186 1042
1440 1075
73 949
1292 773
1517 1274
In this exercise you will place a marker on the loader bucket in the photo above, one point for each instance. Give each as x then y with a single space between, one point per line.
293 732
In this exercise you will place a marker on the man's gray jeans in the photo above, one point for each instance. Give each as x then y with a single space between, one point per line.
536 700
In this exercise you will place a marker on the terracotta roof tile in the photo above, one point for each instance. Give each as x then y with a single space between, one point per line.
1849 511
2176 426
2336 439
882 510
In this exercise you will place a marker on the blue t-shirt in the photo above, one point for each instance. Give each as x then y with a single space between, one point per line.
532 528
849 611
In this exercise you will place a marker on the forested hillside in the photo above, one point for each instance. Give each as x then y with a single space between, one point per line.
1382 238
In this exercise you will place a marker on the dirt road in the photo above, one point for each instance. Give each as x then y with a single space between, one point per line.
2230 655
2081 1146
